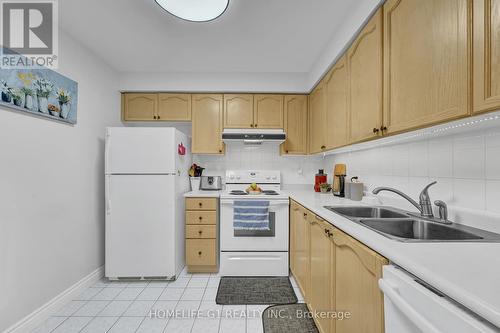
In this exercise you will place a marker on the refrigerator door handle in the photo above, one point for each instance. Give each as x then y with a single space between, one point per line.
107 143
108 199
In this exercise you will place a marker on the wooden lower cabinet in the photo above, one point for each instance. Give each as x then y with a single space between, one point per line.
319 297
202 251
335 272
357 271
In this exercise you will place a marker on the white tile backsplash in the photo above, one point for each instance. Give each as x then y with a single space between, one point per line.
294 169
466 167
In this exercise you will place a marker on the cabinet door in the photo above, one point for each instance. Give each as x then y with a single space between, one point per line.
319 294
174 107
137 107
317 117
486 55
302 252
357 271
268 111
295 113
336 105
238 111
207 124
295 217
425 62
364 65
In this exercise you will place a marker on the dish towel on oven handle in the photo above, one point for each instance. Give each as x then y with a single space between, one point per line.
251 215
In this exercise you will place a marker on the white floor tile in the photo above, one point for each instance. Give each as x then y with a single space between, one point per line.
213 282
88 294
179 325
255 326
206 325
101 283
255 311
158 284
49 325
210 294
91 308
150 294
200 282
138 309
129 294
126 325
193 294
200 275
70 308
187 307
100 325
181 282
163 306
115 309
107 294
118 284
152 325
137 284
171 294
73 324
232 325
185 273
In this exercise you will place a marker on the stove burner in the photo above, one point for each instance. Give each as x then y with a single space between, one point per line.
238 192
270 192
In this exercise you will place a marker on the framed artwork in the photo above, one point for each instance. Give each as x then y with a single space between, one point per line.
41 92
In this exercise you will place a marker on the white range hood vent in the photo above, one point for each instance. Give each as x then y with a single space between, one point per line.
253 136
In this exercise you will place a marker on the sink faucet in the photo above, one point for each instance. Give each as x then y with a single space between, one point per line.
425 205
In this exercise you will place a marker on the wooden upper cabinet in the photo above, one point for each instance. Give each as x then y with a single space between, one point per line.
357 271
336 105
174 107
486 80
426 68
207 124
268 111
140 106
317 124
364 65
295 125
321 282
238 111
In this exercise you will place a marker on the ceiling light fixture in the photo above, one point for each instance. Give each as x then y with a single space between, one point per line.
195 10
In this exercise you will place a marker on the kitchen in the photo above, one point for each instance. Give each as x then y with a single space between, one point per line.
328 168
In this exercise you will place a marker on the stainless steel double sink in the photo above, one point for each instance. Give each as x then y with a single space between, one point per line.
405 227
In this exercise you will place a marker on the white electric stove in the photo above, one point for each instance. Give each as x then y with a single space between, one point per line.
254 252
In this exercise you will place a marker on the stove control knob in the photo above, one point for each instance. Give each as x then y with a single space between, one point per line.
274 177
268 177
238 177
232 176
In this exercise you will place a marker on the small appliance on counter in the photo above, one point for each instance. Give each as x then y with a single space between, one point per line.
320 178
211 183
354 189
339 173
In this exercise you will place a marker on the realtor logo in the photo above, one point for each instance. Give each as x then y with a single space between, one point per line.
29 35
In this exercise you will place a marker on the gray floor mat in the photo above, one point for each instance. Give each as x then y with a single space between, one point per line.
285 319
255 290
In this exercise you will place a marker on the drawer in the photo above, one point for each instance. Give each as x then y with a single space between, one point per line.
201 204
201 252
201 217
201 231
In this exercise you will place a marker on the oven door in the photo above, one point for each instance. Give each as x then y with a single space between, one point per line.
275 239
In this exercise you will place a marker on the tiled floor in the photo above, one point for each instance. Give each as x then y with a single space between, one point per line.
122 307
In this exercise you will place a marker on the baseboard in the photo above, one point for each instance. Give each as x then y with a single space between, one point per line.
38 316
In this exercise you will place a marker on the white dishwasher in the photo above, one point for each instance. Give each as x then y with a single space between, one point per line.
412 307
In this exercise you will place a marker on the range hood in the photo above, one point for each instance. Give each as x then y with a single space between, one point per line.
253 136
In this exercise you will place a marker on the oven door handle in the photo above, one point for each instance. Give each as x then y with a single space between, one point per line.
271 202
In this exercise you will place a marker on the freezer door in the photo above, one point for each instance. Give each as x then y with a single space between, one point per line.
140 150
140 228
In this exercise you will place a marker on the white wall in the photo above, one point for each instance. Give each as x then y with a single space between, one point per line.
466 167
294 169
51 190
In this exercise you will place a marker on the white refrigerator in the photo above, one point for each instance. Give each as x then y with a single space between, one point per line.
146 177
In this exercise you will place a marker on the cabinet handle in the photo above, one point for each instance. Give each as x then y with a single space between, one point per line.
200 232
154 117
323 147
305 214
157 117
199 253
383 128
220 150
251 125
375 130
200 204
200 218
255 125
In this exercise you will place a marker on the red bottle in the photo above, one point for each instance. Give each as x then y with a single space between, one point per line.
320 178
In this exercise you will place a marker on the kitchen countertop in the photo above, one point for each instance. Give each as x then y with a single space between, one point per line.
202 194
469 273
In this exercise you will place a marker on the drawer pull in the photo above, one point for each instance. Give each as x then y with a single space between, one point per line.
199 253
200 232
200 204
200 218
